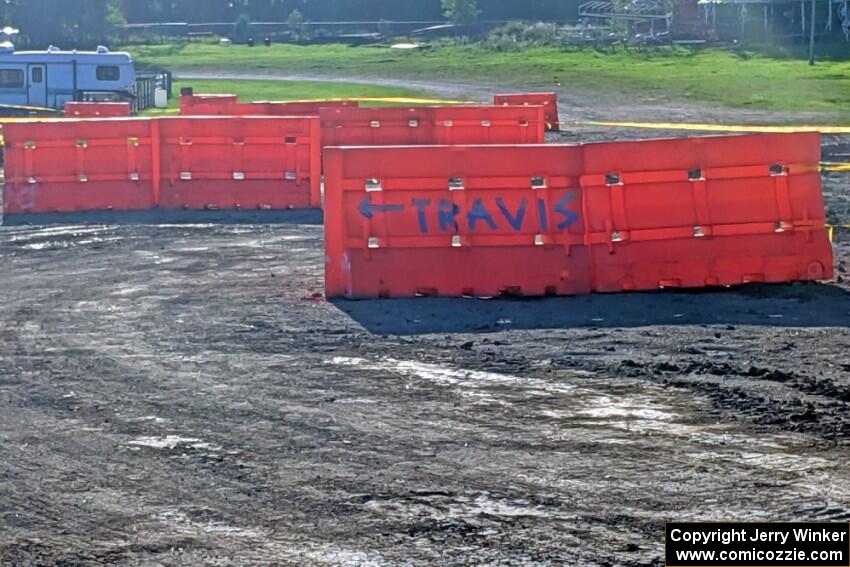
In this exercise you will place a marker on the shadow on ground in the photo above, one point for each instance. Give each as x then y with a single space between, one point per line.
780 305
159 217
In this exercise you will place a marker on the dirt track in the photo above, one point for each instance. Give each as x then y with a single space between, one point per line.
175 394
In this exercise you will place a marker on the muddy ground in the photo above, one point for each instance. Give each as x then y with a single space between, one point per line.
180 394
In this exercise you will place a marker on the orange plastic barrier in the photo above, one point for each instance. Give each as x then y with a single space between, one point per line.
97 109
241 162
563 220
213 104
549 102
78 165
426 125
304 108
227 105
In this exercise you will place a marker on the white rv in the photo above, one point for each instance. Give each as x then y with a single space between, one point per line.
49 79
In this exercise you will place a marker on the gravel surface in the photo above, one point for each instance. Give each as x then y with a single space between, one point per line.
176 391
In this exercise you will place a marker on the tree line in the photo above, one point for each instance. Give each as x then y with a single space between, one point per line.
338 10
77 23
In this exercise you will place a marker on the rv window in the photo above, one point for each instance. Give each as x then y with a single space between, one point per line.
108 73
11 79
37 74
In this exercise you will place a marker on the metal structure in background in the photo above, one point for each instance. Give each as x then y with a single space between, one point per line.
564 220
645 17
144 90
641 23
772 19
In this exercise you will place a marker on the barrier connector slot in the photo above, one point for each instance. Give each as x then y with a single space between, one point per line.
413 123
185 175
616 237
783 227
456 184
612 179
133 142
374 185
538 182
375 124
373 242
542 240
238 176
695 175
82 144
777 170
448 123
290 176
457 242
698 232
134 176
485 123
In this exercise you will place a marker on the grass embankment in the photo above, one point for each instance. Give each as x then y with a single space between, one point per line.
249 91
732 78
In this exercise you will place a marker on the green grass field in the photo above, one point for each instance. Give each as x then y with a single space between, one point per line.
732 78
249 91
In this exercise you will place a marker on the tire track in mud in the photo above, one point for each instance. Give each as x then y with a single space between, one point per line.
601 431
773 397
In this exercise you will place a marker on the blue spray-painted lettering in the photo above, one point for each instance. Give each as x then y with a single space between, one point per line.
368 210
542 215
561 208
446 213
420 205
479 212
514 221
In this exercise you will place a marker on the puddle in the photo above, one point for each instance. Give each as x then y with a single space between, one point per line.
150 419
606 407
184 524
331 556
66 231
171 442
611 412
452 376
131 290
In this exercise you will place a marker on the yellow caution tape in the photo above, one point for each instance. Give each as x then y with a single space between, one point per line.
722 127
835 166
831 228
9 119
25 107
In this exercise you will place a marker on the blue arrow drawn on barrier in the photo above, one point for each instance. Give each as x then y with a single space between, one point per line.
368 210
